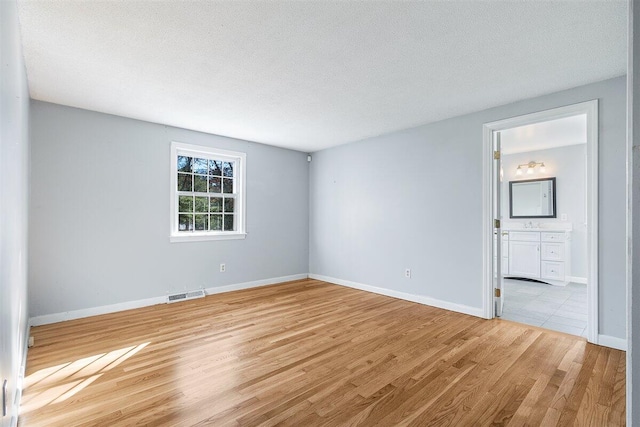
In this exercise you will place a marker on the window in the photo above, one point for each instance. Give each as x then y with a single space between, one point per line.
207 193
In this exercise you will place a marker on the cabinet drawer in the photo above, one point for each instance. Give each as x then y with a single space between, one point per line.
552 270
552 237
524 236
553 251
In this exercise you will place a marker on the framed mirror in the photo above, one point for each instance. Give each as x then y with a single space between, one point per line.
532 198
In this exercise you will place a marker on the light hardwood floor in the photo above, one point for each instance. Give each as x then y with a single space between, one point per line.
309 353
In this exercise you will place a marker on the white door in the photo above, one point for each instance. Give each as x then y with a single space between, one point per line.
498 275
524 259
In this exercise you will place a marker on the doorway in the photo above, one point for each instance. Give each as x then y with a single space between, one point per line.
544 237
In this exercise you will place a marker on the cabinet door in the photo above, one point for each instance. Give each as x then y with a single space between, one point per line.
524 259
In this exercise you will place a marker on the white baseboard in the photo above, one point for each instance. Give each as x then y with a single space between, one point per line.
254 284
604 340
613 342
46 319
576 279
460 308
112 308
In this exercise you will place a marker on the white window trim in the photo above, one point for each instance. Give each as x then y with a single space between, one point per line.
179 148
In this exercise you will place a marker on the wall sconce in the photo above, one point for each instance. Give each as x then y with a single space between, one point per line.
530 167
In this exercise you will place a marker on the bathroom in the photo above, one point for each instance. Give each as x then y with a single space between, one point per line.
544 230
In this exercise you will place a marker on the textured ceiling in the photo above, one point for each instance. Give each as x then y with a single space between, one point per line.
541 136
310 75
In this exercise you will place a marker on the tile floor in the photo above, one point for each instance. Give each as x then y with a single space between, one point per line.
561 308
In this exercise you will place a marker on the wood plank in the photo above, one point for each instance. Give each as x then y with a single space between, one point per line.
311 353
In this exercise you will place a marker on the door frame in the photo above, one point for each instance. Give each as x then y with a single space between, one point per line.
590 108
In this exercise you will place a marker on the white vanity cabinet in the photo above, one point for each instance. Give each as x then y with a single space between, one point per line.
540 255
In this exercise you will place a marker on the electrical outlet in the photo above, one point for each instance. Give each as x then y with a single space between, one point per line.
407 273
563 217
223 268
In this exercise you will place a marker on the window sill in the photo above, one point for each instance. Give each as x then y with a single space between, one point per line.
201 237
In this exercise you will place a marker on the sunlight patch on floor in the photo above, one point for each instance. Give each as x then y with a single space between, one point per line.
63 381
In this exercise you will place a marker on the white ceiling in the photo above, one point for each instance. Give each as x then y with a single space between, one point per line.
310 75
545 135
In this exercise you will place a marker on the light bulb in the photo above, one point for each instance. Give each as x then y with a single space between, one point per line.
529 170
542 168
519 171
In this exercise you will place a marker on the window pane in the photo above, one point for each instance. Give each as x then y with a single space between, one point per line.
185 222
200 166
202 204
228 223
206 191
216 204
185 204
214 184
184 164
228 185
201 222
200 183
215 167
228 204
184 182
228 169
215 223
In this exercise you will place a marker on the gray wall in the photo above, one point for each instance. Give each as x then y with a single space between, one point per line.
413 199
14 196
100 213
569 166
